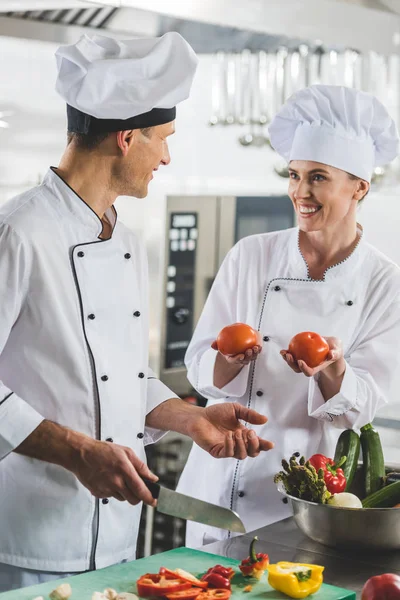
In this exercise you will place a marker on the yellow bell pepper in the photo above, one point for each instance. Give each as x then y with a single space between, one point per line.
296 580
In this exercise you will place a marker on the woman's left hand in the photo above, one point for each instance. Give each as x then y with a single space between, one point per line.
332 363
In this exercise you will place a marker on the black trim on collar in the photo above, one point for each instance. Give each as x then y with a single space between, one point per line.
53 169
79 122
6 398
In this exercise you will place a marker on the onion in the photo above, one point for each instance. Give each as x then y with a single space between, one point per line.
345 500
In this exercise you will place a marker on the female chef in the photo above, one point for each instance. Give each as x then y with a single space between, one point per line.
322 276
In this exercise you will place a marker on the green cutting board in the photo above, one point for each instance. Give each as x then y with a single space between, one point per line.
123 577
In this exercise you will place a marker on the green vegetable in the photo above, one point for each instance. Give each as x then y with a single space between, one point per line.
386 497
253 554
303 575
374 462
301 480
348 445
392 478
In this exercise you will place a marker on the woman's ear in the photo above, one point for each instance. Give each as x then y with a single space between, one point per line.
362 189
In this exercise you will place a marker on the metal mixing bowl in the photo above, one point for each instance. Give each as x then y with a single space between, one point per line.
361 528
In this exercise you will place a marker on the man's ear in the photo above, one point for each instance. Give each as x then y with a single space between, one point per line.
125 140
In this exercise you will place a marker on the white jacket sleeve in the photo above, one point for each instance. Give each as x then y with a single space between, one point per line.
17 418
370 370
220 309
157 393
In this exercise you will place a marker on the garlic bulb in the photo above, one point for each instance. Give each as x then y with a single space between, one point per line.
62 592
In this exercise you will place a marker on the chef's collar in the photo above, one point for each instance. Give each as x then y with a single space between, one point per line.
75 205
342 268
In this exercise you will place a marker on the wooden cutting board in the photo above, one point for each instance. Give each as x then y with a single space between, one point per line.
123 577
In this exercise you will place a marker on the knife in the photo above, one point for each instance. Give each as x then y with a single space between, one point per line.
185 507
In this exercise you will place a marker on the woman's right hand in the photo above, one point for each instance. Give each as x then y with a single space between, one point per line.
244 358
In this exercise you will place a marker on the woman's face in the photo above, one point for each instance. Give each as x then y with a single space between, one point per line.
323 196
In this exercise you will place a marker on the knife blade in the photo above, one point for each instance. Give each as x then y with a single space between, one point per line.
185 507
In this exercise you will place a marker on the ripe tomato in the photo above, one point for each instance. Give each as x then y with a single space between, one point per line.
189 594
309 347
382 587
236 339
214 594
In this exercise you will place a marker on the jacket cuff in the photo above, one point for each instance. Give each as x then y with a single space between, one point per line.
234 389
344 401
157 393
17 421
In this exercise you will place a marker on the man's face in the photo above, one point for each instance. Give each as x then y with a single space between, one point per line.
149 150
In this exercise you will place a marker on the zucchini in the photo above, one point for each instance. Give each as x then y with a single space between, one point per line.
374 463
384 498
348 445
392 478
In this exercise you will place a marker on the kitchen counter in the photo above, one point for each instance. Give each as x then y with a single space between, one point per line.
284 541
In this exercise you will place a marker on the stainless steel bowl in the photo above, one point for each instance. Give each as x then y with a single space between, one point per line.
361 528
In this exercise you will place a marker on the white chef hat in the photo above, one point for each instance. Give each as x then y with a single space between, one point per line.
112 85
337 126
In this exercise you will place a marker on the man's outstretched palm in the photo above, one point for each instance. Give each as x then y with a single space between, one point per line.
220 432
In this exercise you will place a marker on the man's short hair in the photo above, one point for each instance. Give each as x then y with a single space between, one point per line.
91 141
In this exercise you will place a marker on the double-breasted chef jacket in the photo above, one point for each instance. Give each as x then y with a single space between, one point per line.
264 282
74 350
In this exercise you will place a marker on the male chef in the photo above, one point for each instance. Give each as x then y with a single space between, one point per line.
78 402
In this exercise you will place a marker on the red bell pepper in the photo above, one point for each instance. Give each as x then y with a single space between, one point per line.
216 580
219 577
255 564
214 594
226 572
185 576
154 584
190 594
334 477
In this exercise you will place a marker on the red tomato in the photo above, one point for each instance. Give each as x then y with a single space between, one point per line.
214 594
189 594
382 587
154 584
309 347
236 339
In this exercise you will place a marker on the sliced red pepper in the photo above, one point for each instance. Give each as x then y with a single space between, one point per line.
185 576
216 580
227 572
334 477
214 594
255 564
154 584
189 594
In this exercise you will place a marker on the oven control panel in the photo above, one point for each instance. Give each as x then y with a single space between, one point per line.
182 242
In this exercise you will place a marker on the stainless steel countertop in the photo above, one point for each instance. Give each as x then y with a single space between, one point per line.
284 541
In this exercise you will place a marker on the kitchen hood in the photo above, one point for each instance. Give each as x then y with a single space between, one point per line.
211 25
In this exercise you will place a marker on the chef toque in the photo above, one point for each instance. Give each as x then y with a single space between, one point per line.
337 126
111 85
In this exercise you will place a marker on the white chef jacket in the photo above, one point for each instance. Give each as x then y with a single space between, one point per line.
74 350
264 282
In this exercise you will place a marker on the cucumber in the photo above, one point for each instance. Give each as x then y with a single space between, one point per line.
386 497
374 463
348 445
